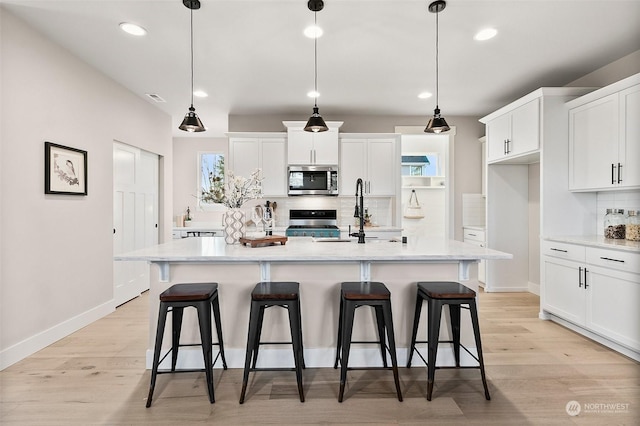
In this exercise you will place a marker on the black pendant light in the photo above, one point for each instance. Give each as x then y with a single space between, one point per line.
315 123
191 122
437 124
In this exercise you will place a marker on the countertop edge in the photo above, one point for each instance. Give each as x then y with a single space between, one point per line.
597 241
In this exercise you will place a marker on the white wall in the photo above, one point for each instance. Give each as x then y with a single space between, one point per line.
615 71
56 252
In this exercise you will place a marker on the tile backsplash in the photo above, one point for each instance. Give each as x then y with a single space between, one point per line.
627 200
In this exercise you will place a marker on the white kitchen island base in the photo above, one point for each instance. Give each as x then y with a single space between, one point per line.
319 268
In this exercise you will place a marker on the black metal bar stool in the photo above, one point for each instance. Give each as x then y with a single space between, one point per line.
203 297
438 294
263 296
352 296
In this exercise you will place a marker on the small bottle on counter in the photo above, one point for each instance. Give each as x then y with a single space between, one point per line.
614 224
632 231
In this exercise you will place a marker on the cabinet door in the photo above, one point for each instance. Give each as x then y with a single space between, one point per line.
498 131
381 167
630 137
564 293
299 147
274 167
525 129
245 156
353 164
593 144
325 148
612 305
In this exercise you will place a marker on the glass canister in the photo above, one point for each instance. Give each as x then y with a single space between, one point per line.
614 224
632 231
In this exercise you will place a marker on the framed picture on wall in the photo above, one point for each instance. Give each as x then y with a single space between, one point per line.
65 170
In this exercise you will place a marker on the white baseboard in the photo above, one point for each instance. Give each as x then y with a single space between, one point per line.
534 288
489 289
191 357
33 344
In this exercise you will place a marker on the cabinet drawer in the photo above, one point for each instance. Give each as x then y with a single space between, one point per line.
613 259
563 250
474 235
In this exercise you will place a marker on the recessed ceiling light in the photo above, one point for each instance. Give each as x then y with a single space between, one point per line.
132 29
313 94
485 34
200 94
313 31
425 95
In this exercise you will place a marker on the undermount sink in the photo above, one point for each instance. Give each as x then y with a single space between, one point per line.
354 240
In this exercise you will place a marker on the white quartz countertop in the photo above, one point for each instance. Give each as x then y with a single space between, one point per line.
598 241
303 249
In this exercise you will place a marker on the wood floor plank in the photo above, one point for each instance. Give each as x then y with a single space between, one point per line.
534 368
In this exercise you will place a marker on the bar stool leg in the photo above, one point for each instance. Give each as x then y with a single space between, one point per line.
296 339
204 318
454 314
347 331
251 341
339 344
435 311
301 342
476 332
380 320
414 334
215 304
388 321
176 328
162 317
256 346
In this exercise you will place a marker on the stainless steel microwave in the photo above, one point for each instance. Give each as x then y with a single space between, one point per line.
313 180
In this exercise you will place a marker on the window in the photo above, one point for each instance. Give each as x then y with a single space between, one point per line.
210 178
420 165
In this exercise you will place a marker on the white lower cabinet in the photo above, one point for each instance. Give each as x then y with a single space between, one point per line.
594 288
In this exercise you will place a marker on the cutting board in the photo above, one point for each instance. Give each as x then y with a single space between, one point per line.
267 240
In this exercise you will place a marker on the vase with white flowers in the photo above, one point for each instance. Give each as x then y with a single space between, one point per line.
238 191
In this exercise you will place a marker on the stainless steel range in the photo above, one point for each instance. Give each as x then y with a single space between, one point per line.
313 223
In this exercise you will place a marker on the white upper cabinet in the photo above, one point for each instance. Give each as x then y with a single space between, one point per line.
514 133
249 151
604 138
375 159
305 148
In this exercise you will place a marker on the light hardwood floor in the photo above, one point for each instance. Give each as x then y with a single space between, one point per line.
97 376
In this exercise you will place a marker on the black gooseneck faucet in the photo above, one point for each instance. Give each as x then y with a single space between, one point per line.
359 212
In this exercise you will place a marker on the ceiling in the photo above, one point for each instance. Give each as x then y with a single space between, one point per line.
375 56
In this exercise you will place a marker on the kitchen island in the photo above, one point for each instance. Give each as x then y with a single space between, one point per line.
319 266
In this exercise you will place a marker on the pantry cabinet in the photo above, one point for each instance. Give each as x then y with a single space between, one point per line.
596 289
265 151
309 148
514 133
374 158
604 138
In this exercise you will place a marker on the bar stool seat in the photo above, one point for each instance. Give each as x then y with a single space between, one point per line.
203 297
265 295
352 296
437 294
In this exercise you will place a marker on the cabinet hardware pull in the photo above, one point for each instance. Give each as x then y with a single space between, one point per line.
585 278
613 260
473 235
613 173
580 277
508 146
505 147
619 168
555 249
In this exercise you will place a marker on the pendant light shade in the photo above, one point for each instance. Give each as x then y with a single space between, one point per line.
316 123
191 122
437 124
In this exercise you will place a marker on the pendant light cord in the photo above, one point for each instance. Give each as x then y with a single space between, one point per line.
437 67
315 59
191 57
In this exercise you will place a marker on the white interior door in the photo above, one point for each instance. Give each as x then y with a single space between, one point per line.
135 216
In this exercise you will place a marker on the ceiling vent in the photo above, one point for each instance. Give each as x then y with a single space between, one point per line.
155 97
